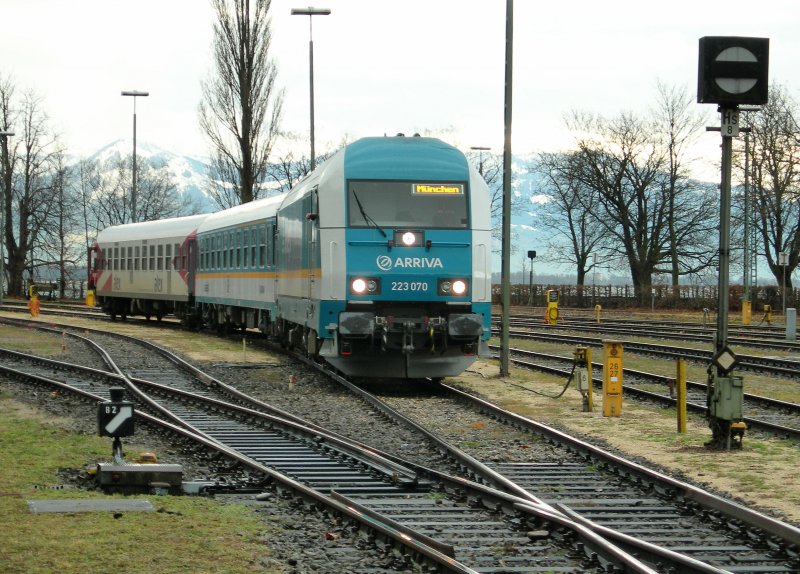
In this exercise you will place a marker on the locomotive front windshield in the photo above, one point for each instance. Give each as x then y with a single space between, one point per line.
415 204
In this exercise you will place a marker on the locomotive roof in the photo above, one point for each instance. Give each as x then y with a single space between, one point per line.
152 230
404 158
243 213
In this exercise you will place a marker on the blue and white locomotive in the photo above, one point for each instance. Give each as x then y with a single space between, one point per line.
378 262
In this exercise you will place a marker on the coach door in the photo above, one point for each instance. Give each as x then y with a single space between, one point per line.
191 264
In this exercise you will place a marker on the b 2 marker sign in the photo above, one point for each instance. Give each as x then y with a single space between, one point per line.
115 418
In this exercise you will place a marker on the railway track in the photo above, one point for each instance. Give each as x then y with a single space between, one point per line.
618 499
788 368
755 337
774 417
472 520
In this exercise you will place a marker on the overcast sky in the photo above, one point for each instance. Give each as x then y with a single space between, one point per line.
380 66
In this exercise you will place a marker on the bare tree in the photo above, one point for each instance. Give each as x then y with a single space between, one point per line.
292 166
490 166
241 107
28 204
570 213
7 120
157 196
775 177
691 208
57 245
88 182
620 162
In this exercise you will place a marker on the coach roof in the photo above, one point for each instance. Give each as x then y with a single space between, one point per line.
245 213
152 230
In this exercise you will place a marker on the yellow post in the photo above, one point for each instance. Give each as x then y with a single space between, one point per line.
597 312
747 311
768 314
551 314
89 300
680 402
612 378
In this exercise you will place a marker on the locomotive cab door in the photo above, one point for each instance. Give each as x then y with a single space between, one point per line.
311 238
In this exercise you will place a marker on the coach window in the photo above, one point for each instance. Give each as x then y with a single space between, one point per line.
273 251
252 245
232 249
223 246
262 248
136 258
245 246
160 258
122 259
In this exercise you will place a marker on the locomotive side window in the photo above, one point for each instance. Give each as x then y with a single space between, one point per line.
416 204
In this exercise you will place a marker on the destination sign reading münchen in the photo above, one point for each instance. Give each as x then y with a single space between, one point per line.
448 189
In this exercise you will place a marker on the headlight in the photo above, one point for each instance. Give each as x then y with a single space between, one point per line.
408 238
453 287
365 286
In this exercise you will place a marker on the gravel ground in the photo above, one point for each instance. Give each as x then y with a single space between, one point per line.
307 540
311 541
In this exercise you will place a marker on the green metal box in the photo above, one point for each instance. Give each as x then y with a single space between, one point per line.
727 397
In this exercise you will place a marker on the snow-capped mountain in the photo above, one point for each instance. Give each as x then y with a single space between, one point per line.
189 173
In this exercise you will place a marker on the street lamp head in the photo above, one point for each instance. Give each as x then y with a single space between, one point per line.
479 148
311 11
135 93
6 134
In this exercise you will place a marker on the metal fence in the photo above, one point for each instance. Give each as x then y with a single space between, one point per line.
655 297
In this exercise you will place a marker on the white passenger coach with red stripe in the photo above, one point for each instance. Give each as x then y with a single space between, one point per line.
145 268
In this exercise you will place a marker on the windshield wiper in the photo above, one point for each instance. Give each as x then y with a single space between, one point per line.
367 219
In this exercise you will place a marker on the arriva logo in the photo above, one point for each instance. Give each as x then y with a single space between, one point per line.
385 263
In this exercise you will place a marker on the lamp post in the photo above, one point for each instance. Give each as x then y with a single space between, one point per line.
311 12
783 261
5 189
480 150
506 247
135 94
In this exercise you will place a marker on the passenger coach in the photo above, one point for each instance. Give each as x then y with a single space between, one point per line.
145 268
